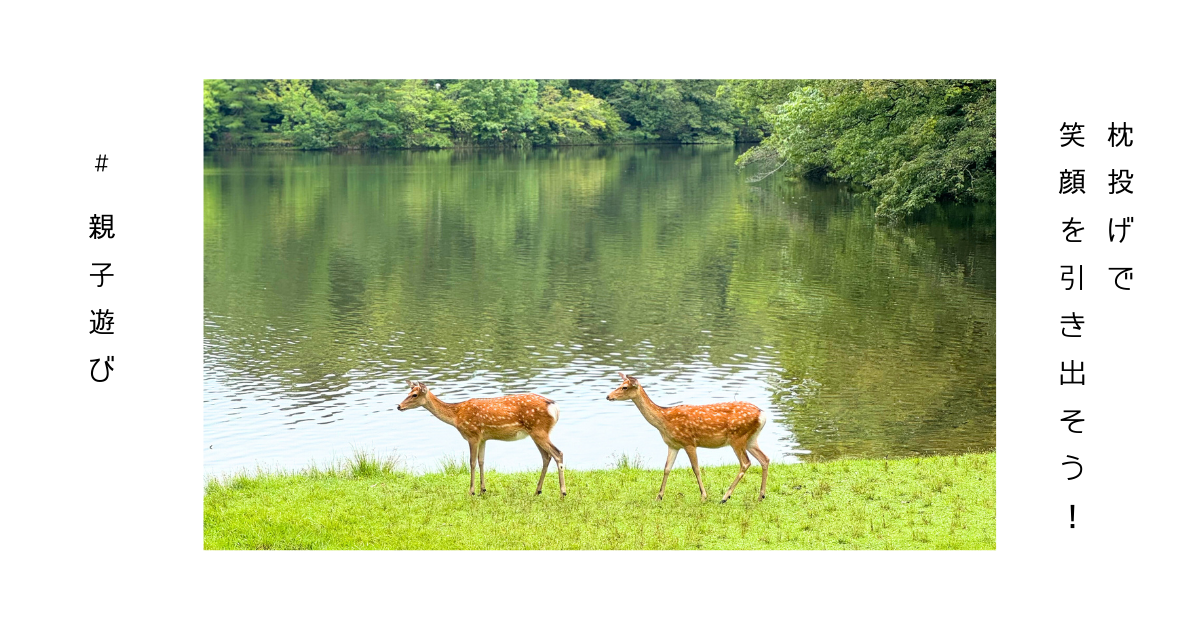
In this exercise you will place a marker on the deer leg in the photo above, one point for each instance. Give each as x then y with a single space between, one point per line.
545 467
762 459
543 442
558 461
474 446
482 486
744 460
671 453
691 452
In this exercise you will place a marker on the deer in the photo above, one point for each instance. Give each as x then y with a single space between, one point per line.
507 418
735 424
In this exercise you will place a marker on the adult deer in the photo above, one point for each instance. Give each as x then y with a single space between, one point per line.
735 424
505 418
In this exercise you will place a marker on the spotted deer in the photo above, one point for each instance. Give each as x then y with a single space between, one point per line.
686 427
506 418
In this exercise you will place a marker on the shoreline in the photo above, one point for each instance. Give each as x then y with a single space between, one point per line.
274 148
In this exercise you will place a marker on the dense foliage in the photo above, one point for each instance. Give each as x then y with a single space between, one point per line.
321 114
909 143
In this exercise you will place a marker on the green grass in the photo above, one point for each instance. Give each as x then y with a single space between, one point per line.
944 502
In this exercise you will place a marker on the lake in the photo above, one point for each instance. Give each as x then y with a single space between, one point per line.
331 279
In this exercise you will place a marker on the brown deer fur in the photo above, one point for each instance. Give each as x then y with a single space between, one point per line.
735 424
505 418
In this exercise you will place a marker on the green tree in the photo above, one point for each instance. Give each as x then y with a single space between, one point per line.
576 118
502 112
370 117
686 111
305 121
910 143
649 106
212 115
233 112
428 116
383 114
707 116
757 99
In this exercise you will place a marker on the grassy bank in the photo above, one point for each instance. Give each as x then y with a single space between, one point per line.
919 503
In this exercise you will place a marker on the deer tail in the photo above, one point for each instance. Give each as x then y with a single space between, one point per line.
764 417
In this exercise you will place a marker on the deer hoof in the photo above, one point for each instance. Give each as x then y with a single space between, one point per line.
724 500
537 493
564 494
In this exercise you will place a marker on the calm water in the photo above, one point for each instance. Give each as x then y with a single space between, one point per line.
331 279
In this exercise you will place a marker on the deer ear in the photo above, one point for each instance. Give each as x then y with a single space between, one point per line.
622 375
410 383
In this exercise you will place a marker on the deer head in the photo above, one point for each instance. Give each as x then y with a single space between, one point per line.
417 396
628 388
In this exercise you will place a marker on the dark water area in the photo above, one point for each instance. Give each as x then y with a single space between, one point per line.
331 279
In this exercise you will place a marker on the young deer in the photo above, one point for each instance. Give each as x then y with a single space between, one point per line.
735 424
505 418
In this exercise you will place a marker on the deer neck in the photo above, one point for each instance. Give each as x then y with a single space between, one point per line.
652 412
443 411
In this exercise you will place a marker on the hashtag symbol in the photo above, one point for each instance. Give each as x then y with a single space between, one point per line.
100 160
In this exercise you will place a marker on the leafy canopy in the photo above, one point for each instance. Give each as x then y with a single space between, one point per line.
910 143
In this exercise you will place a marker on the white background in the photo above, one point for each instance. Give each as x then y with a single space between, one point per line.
102 514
